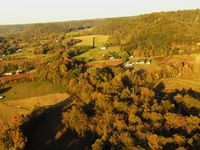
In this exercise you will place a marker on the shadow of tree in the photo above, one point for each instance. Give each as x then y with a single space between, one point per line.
194 94
140 72
159 91
5 90
43 125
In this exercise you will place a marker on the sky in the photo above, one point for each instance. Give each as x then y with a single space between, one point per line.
34 11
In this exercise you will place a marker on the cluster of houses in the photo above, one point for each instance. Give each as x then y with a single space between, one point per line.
13 73
131 63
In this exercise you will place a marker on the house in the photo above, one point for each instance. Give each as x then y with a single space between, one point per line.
131 57
19 50
141 62
19 71
148 62
111 58
103 48
129 65
8 74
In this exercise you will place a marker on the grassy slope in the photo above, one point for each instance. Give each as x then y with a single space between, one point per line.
96 53
176 83
27 53
88 40
10 109
30 89
27 95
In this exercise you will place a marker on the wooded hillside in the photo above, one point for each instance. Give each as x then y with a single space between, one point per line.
156 33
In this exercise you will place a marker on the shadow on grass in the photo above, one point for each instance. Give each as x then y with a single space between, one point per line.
43 125
5 90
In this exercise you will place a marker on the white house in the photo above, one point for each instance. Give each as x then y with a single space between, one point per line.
141 62
131 57
8 74
19 50
103 48
111 58
19 71
129 64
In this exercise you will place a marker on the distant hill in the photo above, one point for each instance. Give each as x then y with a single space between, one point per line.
11 29
158 33
162 33
48 28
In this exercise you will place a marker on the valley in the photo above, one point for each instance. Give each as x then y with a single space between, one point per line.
116 83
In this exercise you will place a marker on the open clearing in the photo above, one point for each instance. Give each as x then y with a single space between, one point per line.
15 91
21 97
98 54
175 83
13 108
100 40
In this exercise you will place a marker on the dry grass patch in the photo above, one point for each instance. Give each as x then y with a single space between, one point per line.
10 109
176 83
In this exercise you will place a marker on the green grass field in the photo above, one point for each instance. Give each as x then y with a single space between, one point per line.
30 89
24 52
100 40
98 54
27 53
20 98
10 109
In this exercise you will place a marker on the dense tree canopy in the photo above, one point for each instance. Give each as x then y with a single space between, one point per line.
123 110
156 33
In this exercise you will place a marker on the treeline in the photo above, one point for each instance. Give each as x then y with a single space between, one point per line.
48 28
11 29
162 33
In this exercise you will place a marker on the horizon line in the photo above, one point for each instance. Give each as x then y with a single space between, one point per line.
98 18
